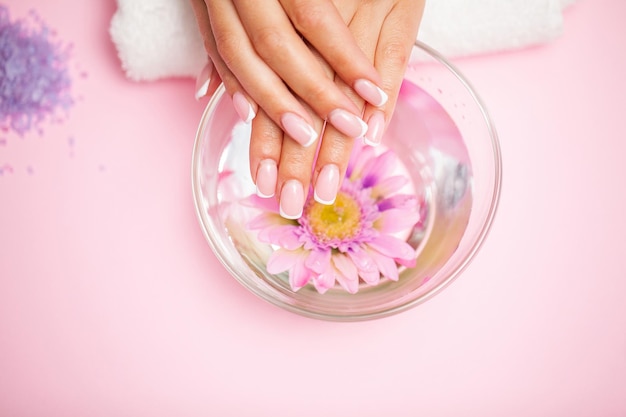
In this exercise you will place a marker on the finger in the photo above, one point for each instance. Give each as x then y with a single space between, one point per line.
295 165
335 149
239 65
322 25
216 71
266 140
277 43
207 82
330 166
393 50
294 176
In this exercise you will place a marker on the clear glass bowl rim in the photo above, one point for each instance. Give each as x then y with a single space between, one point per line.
493 207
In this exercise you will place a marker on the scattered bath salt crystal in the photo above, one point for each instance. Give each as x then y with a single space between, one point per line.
70 143
34 77
30 170
6 169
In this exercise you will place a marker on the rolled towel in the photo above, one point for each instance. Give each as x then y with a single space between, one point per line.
160 39
463 27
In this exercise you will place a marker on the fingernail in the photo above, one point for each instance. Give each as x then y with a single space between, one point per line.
370 92
347 123
298 129
291 200
203 81
327 184
266 178
243 107
376 127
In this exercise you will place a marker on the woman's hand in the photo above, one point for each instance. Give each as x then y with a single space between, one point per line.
381 32
261 52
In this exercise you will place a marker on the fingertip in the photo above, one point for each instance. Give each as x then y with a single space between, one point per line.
203 80
243 107
327 185
347 123
299 130
292 199
266 177
376 128
370 92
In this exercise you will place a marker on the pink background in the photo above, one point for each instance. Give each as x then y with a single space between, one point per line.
112 304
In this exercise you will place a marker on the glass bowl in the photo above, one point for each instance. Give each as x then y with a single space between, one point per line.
448 145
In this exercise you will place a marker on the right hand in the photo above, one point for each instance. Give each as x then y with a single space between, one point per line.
262 53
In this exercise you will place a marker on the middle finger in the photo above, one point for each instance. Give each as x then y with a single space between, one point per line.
279 45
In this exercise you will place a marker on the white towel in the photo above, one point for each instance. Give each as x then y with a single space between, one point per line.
159 38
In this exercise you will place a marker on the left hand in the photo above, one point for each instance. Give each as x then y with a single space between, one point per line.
385 30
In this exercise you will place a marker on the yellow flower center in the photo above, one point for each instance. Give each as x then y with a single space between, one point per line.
340 220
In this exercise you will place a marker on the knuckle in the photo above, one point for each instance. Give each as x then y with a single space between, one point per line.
268 139
295 164
335 149
307 16
267 41
228 47
396 53
317 94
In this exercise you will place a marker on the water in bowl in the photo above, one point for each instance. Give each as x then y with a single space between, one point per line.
431 152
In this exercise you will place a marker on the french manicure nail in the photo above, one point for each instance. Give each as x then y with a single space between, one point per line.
243 107
370 92
266 175
203 81
347 123
327 184
376 127
291 200
298 129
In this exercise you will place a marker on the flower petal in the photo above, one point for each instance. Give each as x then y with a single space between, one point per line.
389 186
357 148
352 286
409 263
282 260
371 277
360 160
366 266
386 265
399 201
318 261
396 220
324 281
264 234
381 167
393 248
347 274
267 219
299 275
265 204
284 236
345 266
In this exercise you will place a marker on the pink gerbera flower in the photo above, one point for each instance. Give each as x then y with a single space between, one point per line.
356 239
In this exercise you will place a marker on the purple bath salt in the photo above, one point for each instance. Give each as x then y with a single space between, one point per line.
34 77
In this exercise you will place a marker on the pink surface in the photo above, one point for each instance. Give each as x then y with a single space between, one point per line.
111 303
